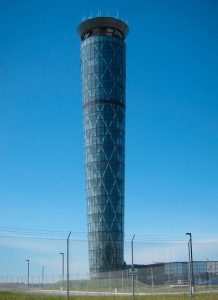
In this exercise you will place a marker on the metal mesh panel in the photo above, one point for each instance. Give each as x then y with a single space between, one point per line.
162 267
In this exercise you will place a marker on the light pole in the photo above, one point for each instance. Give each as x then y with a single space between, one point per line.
28 274
209 270
152 279
61 253
133 276
189 271
191 262
43 273
68 275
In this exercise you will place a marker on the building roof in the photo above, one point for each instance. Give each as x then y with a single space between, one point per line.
102 22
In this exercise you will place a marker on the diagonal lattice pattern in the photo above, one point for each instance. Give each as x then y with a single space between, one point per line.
103 86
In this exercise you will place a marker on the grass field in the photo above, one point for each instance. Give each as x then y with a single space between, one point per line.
26 296
104 285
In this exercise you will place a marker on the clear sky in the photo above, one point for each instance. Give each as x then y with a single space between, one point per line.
171 118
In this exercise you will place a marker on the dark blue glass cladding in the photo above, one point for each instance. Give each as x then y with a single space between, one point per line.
103 88
103 69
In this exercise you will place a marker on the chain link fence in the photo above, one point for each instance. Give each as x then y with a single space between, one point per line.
38 264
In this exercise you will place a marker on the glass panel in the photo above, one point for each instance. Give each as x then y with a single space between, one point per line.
103 90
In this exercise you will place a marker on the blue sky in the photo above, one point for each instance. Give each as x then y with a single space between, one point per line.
171 119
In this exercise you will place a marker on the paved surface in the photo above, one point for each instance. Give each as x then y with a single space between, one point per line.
82 293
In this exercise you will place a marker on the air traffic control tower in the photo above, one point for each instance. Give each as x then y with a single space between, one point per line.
103 72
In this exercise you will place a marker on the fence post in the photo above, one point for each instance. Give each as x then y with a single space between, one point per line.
68 275
133 276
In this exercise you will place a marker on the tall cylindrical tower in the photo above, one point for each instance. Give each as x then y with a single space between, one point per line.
103 72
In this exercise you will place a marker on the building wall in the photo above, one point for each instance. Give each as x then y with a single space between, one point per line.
177 273
103 90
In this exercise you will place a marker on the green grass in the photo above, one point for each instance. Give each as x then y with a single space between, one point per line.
105 285
26 296
20 296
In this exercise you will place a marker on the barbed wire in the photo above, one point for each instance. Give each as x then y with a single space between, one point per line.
140 238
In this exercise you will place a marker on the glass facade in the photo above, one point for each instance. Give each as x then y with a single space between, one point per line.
103 91
177 273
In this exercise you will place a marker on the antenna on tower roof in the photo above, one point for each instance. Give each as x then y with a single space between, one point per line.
117 14
90 15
